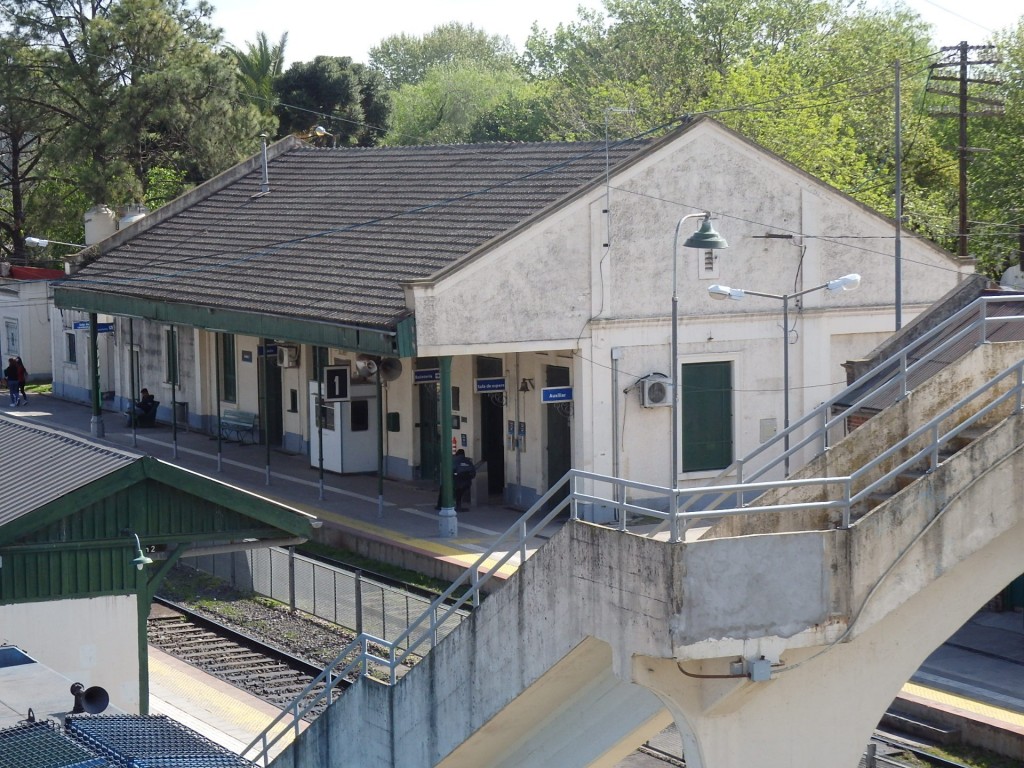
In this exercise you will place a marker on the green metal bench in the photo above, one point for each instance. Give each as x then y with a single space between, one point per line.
238 425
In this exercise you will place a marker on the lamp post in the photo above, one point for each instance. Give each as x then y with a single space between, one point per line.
704 238
844 283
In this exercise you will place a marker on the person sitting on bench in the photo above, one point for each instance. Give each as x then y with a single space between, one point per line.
145 408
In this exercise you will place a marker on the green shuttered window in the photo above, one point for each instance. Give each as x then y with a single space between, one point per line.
706 403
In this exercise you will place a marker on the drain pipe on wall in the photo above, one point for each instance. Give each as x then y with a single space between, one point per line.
516 445
616 355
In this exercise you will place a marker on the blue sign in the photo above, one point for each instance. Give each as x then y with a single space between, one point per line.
426 375
496 384
83 325
268 350
556 395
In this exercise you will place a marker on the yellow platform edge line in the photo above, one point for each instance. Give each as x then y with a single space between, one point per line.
969 705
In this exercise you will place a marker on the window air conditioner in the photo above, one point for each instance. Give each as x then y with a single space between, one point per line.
655 391
287 357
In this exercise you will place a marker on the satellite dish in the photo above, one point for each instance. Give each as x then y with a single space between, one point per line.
390 368
91 700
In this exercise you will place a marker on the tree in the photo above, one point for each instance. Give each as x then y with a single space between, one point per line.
452 102
523 115
813 81
406 59
25 128
259 66
138 84
996 178
331 92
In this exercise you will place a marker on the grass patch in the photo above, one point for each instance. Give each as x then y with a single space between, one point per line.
974 757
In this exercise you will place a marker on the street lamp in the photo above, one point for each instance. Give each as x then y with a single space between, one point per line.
705 239
38 242
844 283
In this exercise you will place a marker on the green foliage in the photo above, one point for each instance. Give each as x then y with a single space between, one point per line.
406 59
25 129
996 190
455 102
523 115
332 92
135 84
163 185
258 67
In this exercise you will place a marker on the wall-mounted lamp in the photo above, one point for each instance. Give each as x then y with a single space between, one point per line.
526 385
140 559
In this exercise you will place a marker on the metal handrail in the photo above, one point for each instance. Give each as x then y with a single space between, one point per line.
679 512
894 371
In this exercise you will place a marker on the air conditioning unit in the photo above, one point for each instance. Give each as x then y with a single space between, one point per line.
655 391
287 357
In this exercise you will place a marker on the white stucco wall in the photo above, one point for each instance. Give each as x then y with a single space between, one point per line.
93 641
27 304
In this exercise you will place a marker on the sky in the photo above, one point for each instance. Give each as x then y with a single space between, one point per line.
314 31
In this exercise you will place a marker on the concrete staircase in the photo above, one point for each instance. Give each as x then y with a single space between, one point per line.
776 639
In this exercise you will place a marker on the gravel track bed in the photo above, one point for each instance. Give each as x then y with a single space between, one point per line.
299 634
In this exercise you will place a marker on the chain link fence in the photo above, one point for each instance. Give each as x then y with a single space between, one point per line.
334 594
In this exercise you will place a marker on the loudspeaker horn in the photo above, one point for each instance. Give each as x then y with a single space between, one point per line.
92 700
365 367
390 368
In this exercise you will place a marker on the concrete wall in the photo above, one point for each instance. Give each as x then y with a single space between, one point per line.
93 641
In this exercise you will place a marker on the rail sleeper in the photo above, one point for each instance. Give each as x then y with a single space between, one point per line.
238 425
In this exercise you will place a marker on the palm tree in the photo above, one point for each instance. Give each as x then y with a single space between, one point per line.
258 67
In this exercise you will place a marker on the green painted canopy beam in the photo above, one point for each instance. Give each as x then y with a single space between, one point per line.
399 341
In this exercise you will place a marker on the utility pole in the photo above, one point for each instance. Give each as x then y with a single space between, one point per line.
958 56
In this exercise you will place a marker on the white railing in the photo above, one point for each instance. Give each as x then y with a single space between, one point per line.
678 509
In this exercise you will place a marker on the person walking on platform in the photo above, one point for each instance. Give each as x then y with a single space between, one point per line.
12 377
22 381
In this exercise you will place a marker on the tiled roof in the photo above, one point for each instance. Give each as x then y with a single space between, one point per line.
342 229
73 462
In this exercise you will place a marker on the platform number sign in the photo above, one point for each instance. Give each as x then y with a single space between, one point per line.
336 384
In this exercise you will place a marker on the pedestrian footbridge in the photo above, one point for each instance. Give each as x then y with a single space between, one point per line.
774 620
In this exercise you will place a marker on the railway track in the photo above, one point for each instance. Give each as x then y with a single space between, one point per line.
273 675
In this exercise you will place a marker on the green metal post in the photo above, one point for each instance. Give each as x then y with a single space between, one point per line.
449 523
96 423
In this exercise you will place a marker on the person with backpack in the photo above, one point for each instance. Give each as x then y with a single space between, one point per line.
463 472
